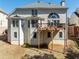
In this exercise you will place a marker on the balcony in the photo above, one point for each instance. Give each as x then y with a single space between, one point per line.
45 26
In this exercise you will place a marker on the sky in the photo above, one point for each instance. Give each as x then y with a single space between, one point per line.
9 5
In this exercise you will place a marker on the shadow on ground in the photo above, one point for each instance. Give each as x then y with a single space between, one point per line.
4 36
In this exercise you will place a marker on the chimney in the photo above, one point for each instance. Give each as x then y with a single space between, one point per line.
62 3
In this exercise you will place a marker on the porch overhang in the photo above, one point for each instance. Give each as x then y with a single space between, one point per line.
15 17
26 18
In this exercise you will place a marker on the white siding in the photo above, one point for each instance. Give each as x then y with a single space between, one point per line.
43 13
13 39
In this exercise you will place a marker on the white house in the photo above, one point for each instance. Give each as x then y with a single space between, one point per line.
3 21
37 23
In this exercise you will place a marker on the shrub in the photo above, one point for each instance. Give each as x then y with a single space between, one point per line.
45 56
70 54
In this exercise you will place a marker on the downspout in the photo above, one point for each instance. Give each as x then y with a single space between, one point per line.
66 34
19 32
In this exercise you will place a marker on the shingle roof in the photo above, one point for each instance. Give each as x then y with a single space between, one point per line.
1 10
76 14
77 10
42 5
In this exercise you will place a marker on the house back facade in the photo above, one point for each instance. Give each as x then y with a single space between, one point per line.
37 23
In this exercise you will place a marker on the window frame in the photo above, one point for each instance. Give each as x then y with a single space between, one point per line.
34 35
60 34
28 23
15 34
53 15
34 23
49 34
53 22
15 23
34 12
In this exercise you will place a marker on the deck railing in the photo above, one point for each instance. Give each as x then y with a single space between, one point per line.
51 25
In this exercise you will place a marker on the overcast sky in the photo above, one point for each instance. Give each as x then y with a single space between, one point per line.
9 5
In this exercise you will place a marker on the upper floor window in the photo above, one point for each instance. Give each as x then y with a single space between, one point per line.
53 15
34 12
53 22
34 23
15 23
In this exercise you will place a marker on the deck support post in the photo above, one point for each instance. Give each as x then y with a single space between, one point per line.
52 39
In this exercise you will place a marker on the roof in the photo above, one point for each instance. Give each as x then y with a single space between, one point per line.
42 5
77 14
28 18
1 10
34 18
77 10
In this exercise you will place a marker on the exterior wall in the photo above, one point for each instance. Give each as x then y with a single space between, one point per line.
9 30
3 22
29 31
20 34
73 31
42 13
26 32
13 39
57 39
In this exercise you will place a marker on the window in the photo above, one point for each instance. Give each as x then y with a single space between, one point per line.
22 23
34 23
28 23
34 12
53 15
49 34
15 23
15 34
49 23
60 34
34 35
56 22
53 22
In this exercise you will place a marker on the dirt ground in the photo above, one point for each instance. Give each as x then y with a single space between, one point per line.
8 51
